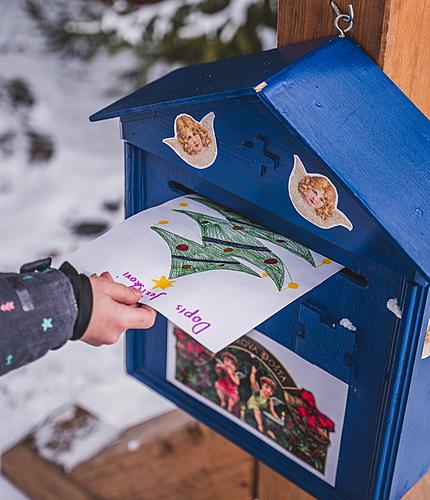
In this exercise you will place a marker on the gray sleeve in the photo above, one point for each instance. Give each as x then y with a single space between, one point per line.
37 313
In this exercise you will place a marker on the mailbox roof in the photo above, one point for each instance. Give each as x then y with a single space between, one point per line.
201 82
349 114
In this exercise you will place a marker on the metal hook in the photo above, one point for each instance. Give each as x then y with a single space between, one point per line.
347 18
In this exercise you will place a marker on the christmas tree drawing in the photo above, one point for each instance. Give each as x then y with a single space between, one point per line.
228 243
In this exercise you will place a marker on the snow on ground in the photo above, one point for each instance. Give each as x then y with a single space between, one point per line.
69 436
38 204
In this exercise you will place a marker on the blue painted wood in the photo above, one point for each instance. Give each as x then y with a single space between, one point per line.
210 81
256 151
398 379
327 345
267 195
134 186
413 459
335 99
339 297
328 103
368 132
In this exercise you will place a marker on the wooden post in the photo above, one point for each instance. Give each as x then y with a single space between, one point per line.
272 486
393 32
171 456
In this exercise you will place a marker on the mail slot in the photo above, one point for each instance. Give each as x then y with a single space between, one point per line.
315 143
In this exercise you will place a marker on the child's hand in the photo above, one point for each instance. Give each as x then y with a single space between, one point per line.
115 309
253 370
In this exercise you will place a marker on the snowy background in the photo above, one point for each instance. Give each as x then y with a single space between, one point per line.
51 207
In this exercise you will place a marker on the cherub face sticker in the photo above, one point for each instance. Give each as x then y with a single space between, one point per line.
194 141
315 198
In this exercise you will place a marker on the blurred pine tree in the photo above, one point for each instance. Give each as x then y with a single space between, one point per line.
157 34
16 102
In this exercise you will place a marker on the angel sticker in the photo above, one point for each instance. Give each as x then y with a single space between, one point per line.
194 141
315 198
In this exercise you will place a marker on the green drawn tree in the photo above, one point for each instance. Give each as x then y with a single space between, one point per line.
228 243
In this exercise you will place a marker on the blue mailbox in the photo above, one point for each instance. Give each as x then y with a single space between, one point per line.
314 142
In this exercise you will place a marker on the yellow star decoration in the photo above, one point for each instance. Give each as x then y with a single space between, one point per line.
183 204
264 274
163 283
163 222
326 261
292 285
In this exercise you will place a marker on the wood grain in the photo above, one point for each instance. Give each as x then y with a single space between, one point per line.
37 478
272 486
300 21
174 457
393 32
178 459
407 54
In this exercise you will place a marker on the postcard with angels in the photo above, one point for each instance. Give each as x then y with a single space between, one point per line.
212 272
289 404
